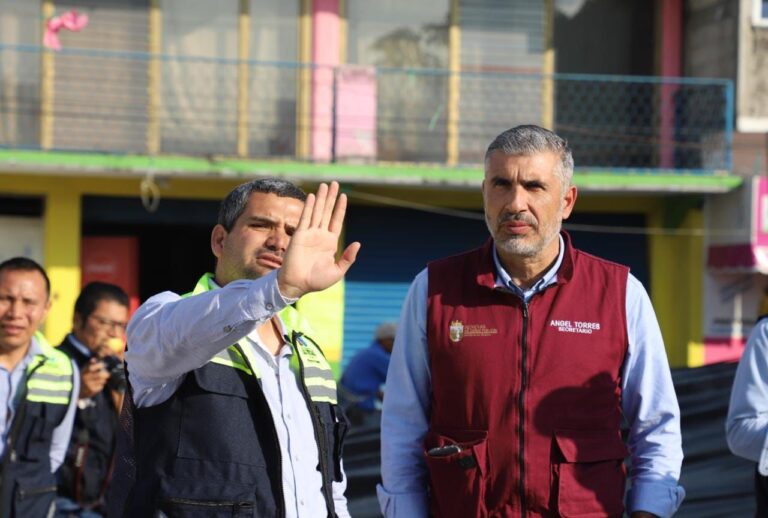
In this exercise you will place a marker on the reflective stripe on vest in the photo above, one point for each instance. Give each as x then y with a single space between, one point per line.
49 375
318 376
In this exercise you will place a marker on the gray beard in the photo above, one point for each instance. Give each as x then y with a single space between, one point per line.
516 246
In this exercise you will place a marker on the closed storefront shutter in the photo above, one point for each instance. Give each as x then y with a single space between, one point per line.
397 244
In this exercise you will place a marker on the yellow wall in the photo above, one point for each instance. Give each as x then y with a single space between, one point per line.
677 269
62 224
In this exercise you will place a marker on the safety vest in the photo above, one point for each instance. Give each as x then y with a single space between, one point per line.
213 448
314 369
530 392
27 486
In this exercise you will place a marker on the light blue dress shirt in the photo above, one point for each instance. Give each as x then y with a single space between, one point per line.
169 336
649 405
10 396
746 427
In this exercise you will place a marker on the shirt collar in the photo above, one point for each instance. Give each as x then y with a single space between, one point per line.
34 350
504 281
80 346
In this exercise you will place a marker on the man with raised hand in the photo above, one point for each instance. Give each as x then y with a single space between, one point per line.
219 422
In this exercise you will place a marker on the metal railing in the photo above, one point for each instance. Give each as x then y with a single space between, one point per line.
110 101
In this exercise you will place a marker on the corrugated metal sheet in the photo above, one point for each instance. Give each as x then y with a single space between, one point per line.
503 34
199 86
498 36
20 24
112 115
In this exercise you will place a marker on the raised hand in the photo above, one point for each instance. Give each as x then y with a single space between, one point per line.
310 262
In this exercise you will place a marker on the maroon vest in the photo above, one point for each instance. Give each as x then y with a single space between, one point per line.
530 393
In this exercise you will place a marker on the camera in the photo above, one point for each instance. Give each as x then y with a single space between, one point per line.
116 369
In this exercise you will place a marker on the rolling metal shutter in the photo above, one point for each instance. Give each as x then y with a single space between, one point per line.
397 244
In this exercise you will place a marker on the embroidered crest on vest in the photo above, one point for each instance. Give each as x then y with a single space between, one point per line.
456 330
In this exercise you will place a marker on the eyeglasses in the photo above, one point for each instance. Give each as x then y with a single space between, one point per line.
104 322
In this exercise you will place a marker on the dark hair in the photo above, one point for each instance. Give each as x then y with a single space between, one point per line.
95 292
530 139
234 204
25 264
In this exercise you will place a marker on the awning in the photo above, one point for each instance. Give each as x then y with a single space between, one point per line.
744 258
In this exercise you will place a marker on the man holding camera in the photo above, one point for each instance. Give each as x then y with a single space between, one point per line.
101 314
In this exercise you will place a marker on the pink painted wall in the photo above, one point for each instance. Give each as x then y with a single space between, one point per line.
761 212
723 349
325 56
356 112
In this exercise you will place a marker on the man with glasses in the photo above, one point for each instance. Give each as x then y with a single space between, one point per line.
101 314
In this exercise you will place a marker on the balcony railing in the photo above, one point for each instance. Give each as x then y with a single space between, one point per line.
118 102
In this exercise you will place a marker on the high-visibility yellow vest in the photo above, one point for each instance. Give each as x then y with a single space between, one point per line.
49 375
27 486
313 368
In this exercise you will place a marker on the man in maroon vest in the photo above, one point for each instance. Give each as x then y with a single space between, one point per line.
516 365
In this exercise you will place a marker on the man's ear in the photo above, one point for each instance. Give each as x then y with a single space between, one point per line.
569 200
48 304
218 235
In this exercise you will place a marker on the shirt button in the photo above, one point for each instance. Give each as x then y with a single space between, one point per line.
269 306
301 502
227 329
296 458
288 416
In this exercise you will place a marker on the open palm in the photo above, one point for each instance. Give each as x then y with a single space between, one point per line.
310 262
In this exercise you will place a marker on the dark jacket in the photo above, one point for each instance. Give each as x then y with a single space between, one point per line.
212 449
87 468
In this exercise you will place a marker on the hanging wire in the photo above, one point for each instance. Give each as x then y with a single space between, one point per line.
577 227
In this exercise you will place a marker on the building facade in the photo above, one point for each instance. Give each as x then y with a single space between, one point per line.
152 112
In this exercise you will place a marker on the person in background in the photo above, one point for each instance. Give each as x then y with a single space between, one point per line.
38 394
100 318
362 385
516 364
746 426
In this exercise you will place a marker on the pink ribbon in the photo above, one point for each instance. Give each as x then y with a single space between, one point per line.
69 20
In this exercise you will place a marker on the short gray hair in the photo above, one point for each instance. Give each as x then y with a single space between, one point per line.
386 330
234 204
529 140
